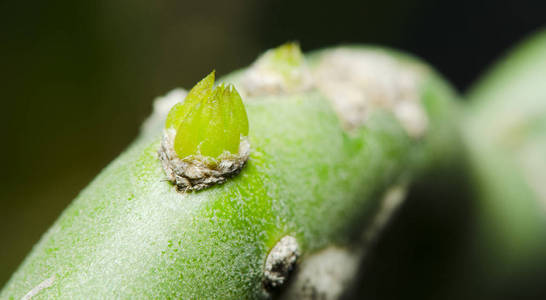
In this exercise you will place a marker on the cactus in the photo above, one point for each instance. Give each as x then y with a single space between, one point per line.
329 134
505 136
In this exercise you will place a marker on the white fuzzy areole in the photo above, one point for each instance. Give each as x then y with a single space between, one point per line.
324 275
194 174
280 262
361 81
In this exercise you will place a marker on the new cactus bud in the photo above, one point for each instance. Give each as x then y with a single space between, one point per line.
204 139
279 70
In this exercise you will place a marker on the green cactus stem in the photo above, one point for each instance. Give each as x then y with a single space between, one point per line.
310 182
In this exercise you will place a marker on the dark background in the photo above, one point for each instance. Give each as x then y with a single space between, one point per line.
78 77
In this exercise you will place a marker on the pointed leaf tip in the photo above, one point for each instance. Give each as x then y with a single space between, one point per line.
201 90
210 121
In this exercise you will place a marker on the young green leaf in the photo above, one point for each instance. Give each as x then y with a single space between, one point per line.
202 90
209 122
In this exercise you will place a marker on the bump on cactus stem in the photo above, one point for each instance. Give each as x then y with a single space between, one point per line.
280 263
205 140
279 70
285 59
361 82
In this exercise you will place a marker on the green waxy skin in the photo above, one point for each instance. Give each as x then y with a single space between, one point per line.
130 234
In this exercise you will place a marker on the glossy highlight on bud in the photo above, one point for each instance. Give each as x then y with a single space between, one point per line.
210 121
